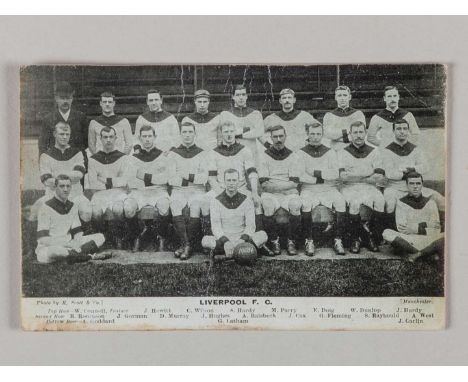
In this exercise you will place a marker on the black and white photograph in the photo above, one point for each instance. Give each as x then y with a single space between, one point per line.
228 183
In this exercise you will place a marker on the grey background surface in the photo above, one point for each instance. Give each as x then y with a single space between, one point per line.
279 40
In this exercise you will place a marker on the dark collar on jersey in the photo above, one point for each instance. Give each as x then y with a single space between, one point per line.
187 152
148 156
288 116
109 120
415 202
343 112
315 151
392 116
58 155
402 151
229 151
278 154
73 114
231 202
107 158
241 111
156 116
202 118
360 152
60 207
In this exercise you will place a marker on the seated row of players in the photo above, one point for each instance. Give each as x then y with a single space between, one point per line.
328 178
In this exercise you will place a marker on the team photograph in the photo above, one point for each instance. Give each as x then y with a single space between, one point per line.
233 180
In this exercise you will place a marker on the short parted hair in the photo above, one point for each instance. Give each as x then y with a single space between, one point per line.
271 129
62 125
238 87
314 125
400 122
343 87
153 91
187 123
357 124
61 177
387 88
413 175
107 95
107 129
147 128
231 171
226 123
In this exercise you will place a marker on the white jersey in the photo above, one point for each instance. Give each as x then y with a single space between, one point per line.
165 126
206 127
336 125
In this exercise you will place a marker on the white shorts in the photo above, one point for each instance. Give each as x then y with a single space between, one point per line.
148 197
363 194
106 198
186 197
417 241
280 200
329 198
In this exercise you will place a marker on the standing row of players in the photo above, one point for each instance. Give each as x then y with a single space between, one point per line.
255 168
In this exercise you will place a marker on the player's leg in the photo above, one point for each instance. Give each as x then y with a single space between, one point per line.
162 219
439 200
308 202
294 205
378 219
270 206
193 225
131 221
205 213
177 203
339 204
353 201
391 197
400 243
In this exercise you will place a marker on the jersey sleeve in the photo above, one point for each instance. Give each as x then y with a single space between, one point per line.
249 217
159 175
434 219
43 223
401 214
92 137
174 179
331 171
174 132
136 136
263 172
374 128
78 163
392 171
76 224
294 169
215 217
413 127
45 168
201 176
249 163
94 183
128 137
256 126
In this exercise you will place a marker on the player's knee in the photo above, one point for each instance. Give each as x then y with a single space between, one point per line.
340 205
260 238
97 212
177 206
205 206
294 206
162 206
98 239
42 255
130 208
195 207
118 210
208 242
268 207
85 211
389 235
379 204
354 207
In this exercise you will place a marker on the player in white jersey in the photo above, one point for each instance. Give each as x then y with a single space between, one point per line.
164 123
248 122
108 118
336 122
380 131
232 218
291 119
206 123
418 228
188 175
59 232
360 169
399 158
61 159
148 183
108 177
279 177
319 186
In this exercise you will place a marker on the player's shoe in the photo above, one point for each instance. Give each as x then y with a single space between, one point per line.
355 246
186 253
309 247
101 256
338 247
276 247
372 245
291 248
412 257
179 251
328 228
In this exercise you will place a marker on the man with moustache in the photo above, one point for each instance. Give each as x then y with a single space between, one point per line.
380 131
64 113
291 119
164 123
206 123
336 122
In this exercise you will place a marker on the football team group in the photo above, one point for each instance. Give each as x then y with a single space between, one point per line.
219 180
